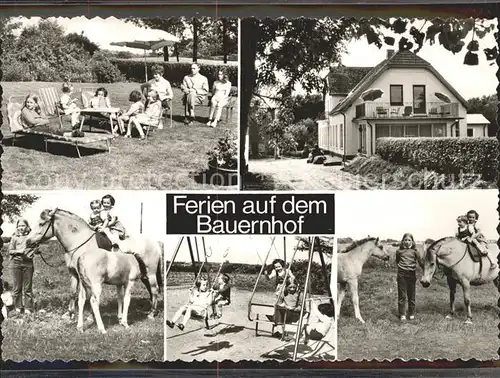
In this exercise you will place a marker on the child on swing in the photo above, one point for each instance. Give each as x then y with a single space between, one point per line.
473 235
279 271
288 307
222 295
199 300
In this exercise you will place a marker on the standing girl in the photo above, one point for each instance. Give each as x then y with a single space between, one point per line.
22 267
406 259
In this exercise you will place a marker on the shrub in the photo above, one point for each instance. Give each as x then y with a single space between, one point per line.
443 155
16 71
103 71
225 153
133 70
305 133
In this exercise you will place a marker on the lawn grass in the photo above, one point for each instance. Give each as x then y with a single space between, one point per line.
172 158
430 336
47 336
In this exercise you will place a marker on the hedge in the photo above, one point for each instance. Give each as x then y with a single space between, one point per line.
174 72
476 155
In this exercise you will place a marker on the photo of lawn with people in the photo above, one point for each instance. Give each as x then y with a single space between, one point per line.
87 106
59 269
245 298
412 282
370 103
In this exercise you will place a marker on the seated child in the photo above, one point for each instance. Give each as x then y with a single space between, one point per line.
476 237
95 220
199 300
111 226
7 299
101 101
151 115
318 324
31 114
222 295
137 107
68 105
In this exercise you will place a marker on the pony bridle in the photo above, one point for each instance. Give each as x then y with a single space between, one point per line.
51 225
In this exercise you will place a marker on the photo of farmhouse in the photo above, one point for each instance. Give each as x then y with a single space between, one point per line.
388 110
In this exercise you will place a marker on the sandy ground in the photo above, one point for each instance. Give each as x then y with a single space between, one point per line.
298 175
234 338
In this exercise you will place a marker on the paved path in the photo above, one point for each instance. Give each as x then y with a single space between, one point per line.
296 174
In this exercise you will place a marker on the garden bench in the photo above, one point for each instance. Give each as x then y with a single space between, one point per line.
17 128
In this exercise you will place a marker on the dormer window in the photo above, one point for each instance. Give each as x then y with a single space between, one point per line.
396 95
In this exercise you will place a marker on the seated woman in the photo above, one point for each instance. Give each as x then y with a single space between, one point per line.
160 85
31 114
200 299
151 115
221 91
318 323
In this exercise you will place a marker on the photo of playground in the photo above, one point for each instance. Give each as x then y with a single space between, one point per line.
119 103
417 275
75 288
250 298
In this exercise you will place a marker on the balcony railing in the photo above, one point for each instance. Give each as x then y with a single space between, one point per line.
370 110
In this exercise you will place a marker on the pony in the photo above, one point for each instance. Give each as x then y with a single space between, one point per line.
459 268
350 265
90 266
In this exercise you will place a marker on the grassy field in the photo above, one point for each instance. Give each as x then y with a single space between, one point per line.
172 158
430 335
47 336
234 337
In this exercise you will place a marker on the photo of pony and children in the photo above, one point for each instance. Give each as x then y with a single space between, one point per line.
439 279
58 247
246 306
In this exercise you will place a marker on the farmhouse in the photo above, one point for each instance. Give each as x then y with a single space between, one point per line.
477 125
403 96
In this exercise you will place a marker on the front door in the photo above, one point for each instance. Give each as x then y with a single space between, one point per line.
419 104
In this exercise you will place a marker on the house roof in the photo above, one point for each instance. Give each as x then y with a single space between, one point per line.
477 119
400 59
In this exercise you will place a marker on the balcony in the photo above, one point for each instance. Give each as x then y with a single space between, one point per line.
384 110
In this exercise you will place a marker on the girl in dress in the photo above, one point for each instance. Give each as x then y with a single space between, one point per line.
137 107
221 91
101 101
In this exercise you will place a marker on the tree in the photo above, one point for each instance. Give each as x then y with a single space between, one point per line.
84 42
13 205
314 43
487 106
323 245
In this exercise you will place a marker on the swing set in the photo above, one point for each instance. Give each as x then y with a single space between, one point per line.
265 311
198 273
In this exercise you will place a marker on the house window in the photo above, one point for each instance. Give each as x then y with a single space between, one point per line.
439 130
419 105
411 131
396 94
341 136
397 131
426 130
382 131
470 132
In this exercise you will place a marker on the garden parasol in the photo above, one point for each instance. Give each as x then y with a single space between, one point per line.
372 94
149 39
442 97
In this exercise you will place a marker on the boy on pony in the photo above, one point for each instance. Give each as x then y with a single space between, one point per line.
200 297
95 220
474 235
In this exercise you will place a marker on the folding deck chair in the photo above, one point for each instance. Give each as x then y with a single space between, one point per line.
17 127
50 103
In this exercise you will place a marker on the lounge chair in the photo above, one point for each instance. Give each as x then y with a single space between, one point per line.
50 103
17 127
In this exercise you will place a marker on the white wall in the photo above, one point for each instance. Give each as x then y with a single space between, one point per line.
478 130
